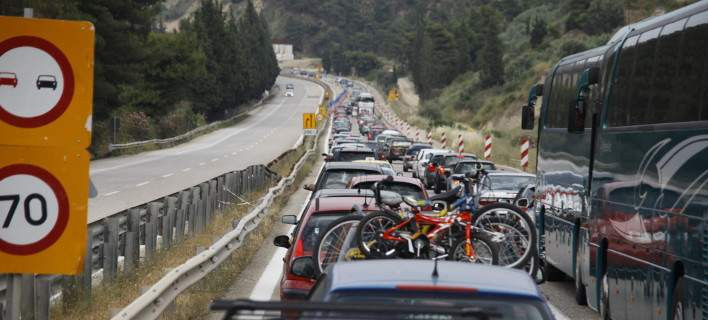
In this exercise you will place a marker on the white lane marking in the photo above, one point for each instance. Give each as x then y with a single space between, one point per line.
196 148
186 169
142 183
234 153
110 193
557 313
270 277
226 156
167 175
202 163
215 159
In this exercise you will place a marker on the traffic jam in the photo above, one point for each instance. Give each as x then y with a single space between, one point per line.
392 220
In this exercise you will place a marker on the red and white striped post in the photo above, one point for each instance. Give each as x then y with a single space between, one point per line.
417 135
488 146
443 140
460 144
430 137
525 153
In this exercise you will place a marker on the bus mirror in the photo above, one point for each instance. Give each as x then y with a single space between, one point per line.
527 117
593 75
539 89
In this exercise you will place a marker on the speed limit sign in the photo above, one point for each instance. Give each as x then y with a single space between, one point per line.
43 200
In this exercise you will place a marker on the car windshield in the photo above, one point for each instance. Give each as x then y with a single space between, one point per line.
316 225
512 309
465 167
507 182
338 179
415 149
404 189
348 156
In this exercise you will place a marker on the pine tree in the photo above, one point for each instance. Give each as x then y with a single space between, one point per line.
538 32
491 67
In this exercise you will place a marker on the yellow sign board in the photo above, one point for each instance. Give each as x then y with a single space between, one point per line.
393 94
309 121
46 82
43 207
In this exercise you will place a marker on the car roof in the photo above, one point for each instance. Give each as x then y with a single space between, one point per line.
461 155
392 273
321 204
418 144
510 173
436 151
329 193
379 177
475 161
356 149
352 166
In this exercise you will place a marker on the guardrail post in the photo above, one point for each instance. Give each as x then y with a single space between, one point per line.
132 241
203 205
238 183
181 218
193 210
110 248
219 193
80 285
27 296
42 287
168 220
151 230
13 296
210 192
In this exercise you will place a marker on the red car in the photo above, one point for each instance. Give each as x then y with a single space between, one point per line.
8 79
405 186
321 211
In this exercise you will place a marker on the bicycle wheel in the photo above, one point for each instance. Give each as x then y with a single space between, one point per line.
485 250
338 243
514 227
368 235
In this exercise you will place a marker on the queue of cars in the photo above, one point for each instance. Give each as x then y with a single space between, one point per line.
356 162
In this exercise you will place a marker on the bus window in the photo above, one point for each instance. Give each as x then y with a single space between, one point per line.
642 90
621 98
693 70
553 106
667 55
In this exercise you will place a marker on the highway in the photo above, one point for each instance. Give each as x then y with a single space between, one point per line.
127 181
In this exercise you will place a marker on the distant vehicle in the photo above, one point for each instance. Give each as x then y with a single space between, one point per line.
621 169
336 175
46 81
463 167
443 168
351 153
8 79
366 103
405 186
320 212
289 90
397 148
408 159
492 292
420 166
503 186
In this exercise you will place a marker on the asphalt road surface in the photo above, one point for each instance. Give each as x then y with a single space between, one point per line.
128 181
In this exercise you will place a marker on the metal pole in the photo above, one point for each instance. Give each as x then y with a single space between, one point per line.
115 120
28 12
14 287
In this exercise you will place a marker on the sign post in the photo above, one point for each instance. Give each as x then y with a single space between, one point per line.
309 124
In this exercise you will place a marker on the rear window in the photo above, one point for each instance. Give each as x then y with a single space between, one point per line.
469 166
338 179
451 161
508 182
495 308
404 189
348 156
316 225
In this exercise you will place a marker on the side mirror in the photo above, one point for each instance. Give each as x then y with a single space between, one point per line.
282 241
527 117
303 267
309 187
579 107
289 219
400 174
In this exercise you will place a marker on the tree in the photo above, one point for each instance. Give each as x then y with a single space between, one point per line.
538 32
491 68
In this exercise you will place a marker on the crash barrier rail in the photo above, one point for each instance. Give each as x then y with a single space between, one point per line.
121 242
156 299
189 134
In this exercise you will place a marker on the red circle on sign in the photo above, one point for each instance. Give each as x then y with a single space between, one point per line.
62 204
67 73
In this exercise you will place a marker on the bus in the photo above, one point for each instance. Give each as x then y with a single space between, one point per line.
622 167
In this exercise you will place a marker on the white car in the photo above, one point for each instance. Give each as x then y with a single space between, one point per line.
421 161
289 90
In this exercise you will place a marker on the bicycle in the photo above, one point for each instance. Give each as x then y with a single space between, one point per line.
414 234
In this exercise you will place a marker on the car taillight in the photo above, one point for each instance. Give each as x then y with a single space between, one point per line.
299 249
441 170
431 168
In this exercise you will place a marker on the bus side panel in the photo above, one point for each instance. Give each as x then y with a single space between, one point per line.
650 202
